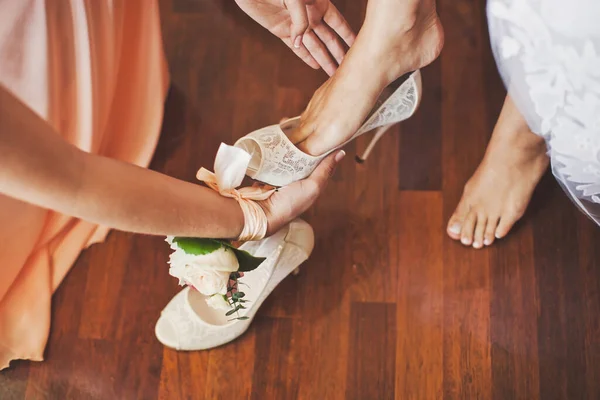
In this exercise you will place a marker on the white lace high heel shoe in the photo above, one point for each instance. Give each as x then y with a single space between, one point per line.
189 323
278 162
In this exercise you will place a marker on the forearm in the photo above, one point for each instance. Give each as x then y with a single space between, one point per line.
134 199
39 167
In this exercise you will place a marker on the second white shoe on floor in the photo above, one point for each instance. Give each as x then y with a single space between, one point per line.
189 323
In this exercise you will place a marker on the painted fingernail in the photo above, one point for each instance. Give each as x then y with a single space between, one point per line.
297 42
455 228
340 155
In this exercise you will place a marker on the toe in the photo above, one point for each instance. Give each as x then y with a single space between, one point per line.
456 221
468 228
479 231
506 223
490 231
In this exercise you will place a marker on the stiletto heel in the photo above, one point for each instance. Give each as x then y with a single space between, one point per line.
278 162
378 135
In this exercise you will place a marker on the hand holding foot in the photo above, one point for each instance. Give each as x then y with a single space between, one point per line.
291 201
498 193
398 36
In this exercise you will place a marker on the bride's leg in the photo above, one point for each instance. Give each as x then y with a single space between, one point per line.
398 36
498 193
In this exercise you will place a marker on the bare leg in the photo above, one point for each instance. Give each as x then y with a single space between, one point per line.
499 191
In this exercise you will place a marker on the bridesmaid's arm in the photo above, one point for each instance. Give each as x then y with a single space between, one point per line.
39 167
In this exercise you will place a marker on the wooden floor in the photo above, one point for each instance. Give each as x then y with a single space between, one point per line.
387 306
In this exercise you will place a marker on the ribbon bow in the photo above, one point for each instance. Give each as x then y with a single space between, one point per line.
230 168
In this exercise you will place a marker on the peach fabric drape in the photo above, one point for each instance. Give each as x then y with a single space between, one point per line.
95 71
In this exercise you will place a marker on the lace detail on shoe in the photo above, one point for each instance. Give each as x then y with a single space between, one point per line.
400 106
278 162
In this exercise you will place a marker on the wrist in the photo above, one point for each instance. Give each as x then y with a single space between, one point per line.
235 217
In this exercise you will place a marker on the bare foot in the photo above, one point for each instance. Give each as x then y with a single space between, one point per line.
498 193
397 37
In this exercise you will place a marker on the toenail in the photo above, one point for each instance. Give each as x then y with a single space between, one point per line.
498 236
476 245
455 228
487 242
465 241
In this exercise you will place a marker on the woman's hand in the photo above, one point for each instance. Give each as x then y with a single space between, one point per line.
311 28
291 201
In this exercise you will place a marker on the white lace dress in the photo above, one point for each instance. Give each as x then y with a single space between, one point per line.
548 53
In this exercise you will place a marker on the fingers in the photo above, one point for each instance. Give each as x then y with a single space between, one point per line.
316 47
331 41
299 16
303 53
326 169
319 52
338 23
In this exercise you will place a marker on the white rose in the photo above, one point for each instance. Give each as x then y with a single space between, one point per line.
209 282
208 273
219 302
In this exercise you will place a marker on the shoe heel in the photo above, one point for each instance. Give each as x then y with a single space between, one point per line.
379 132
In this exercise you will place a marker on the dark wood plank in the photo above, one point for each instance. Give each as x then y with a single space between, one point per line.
75 369
230 369
183 375
374 267
13 381
589 263
466 348
513 318
324 284
419 306
421 144
561 336
103 285
372 353
275 360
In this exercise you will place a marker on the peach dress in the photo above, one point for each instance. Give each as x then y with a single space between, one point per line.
95 71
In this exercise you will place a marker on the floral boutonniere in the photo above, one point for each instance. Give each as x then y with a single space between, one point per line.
214 268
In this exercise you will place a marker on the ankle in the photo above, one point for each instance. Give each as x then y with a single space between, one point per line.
410 44
357 74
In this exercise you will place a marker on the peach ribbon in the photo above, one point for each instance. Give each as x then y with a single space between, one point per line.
230 168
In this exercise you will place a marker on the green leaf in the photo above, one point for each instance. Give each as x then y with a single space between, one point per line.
197 246
228 313
243 318
246 260
238 295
